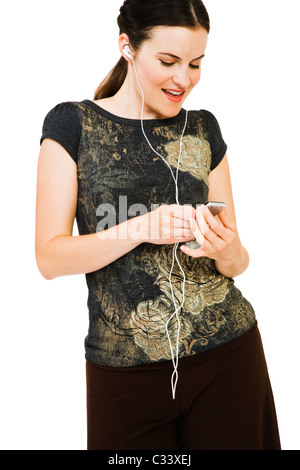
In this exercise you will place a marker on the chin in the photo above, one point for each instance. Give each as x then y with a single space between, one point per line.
167 112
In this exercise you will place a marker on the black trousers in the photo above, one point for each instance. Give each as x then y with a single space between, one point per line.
223 401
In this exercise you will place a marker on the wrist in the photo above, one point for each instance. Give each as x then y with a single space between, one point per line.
137 229
234 266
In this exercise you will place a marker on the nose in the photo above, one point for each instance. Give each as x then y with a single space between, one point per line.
182 77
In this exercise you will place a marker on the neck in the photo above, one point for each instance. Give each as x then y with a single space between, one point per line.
128 100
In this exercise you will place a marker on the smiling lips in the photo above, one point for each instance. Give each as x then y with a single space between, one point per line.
174 95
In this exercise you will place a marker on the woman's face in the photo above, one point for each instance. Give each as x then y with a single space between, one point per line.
169 67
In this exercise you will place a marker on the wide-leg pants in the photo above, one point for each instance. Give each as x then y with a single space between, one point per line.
223 401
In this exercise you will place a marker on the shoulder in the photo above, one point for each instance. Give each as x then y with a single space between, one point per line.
62 124
211 131
207 118
62 111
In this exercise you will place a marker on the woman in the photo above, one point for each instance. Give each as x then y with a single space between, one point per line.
136 170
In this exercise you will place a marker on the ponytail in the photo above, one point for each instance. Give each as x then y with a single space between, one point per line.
113 81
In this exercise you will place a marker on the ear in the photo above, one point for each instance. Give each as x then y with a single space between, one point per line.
123 41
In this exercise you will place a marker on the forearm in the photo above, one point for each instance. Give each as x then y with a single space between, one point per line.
67 255
236 265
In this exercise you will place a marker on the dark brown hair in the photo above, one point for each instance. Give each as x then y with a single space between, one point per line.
137 18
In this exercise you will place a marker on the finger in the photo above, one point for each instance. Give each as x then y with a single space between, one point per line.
184 233
181 223
215 225
218 235
226 220
202 223
183 212
196 231
179 231
213 240
193 253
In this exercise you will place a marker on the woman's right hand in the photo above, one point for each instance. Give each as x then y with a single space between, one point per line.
165 225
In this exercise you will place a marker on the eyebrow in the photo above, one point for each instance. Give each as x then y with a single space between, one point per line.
176 57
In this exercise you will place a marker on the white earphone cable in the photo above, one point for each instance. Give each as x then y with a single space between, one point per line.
174 378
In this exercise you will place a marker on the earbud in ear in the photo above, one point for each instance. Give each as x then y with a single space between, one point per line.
127 51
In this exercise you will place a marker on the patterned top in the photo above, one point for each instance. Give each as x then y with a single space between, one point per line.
130 300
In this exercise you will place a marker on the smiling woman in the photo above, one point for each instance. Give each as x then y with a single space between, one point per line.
138 19
168 76
153 310
165 87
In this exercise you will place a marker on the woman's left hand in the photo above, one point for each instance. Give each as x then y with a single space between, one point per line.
218 240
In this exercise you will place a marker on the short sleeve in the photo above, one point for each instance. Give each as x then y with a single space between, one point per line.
62 125
217 144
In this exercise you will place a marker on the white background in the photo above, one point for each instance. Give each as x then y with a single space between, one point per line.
59 51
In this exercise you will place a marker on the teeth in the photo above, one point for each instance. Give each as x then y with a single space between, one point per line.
176 93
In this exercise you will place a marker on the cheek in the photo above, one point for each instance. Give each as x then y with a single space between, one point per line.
196 78
153 77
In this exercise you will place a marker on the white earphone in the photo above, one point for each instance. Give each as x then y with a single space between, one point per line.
127 51
174 377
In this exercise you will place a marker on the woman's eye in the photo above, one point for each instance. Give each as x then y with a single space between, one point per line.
167 64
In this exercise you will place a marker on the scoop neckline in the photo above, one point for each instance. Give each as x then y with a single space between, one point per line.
135 122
